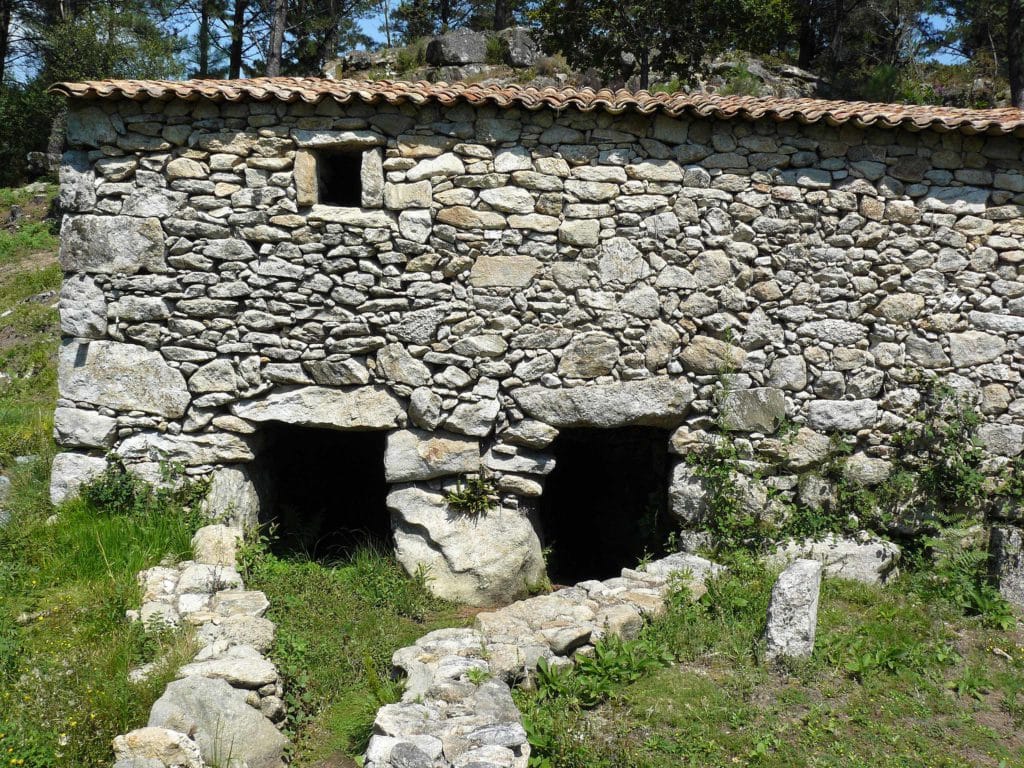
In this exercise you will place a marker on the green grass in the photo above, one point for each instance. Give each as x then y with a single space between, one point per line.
28 334
65 645
35 233
29 238
338 625
896 680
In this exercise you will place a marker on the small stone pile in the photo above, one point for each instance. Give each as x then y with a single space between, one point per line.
457 709
226 705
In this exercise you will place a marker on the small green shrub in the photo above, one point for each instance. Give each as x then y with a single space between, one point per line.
118 491
412 56
734 524
495 51
473 495
740 81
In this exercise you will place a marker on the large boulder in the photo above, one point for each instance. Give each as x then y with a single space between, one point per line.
519 47
793 612
359 408
228 731
124 377
654 402
488 559
461 46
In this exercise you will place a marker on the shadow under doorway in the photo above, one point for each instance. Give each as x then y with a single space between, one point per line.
605 505
324 490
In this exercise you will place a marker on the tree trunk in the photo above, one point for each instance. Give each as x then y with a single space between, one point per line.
204 38
237 39
5 36
502 14
1015 50
644 61
807 39
387 21
278 14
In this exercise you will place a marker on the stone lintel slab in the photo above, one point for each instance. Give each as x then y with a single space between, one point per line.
655 402
327 407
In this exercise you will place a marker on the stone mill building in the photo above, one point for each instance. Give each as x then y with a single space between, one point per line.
337 299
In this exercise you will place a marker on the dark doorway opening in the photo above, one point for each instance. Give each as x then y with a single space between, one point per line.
605 505
324 490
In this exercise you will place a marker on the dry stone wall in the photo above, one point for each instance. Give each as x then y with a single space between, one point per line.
508 274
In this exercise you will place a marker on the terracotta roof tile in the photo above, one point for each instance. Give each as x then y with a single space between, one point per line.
290 89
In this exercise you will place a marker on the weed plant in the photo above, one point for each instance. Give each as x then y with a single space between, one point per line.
473 495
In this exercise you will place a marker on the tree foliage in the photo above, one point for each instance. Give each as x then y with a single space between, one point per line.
674 37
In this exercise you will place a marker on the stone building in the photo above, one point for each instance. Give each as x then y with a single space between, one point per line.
338 298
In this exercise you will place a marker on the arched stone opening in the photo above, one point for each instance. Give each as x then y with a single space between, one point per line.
605 505
323 489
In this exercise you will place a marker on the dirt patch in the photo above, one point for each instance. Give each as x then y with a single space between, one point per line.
337 760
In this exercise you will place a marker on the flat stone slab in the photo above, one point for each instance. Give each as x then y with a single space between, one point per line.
870 560
332 408
112 245
655 402
412 454
220 721
124 377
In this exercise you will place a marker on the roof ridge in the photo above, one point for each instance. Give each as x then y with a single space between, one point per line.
1007 120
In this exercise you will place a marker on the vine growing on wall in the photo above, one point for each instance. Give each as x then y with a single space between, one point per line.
937 480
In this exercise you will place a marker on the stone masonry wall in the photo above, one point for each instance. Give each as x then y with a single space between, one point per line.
512 273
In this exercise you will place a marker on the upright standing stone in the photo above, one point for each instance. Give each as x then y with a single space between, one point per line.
1006 562
793 611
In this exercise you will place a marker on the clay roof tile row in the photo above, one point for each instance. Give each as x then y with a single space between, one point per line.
312 90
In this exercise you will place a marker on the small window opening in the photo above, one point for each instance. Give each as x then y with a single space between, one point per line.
605 505
339 175
324 490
